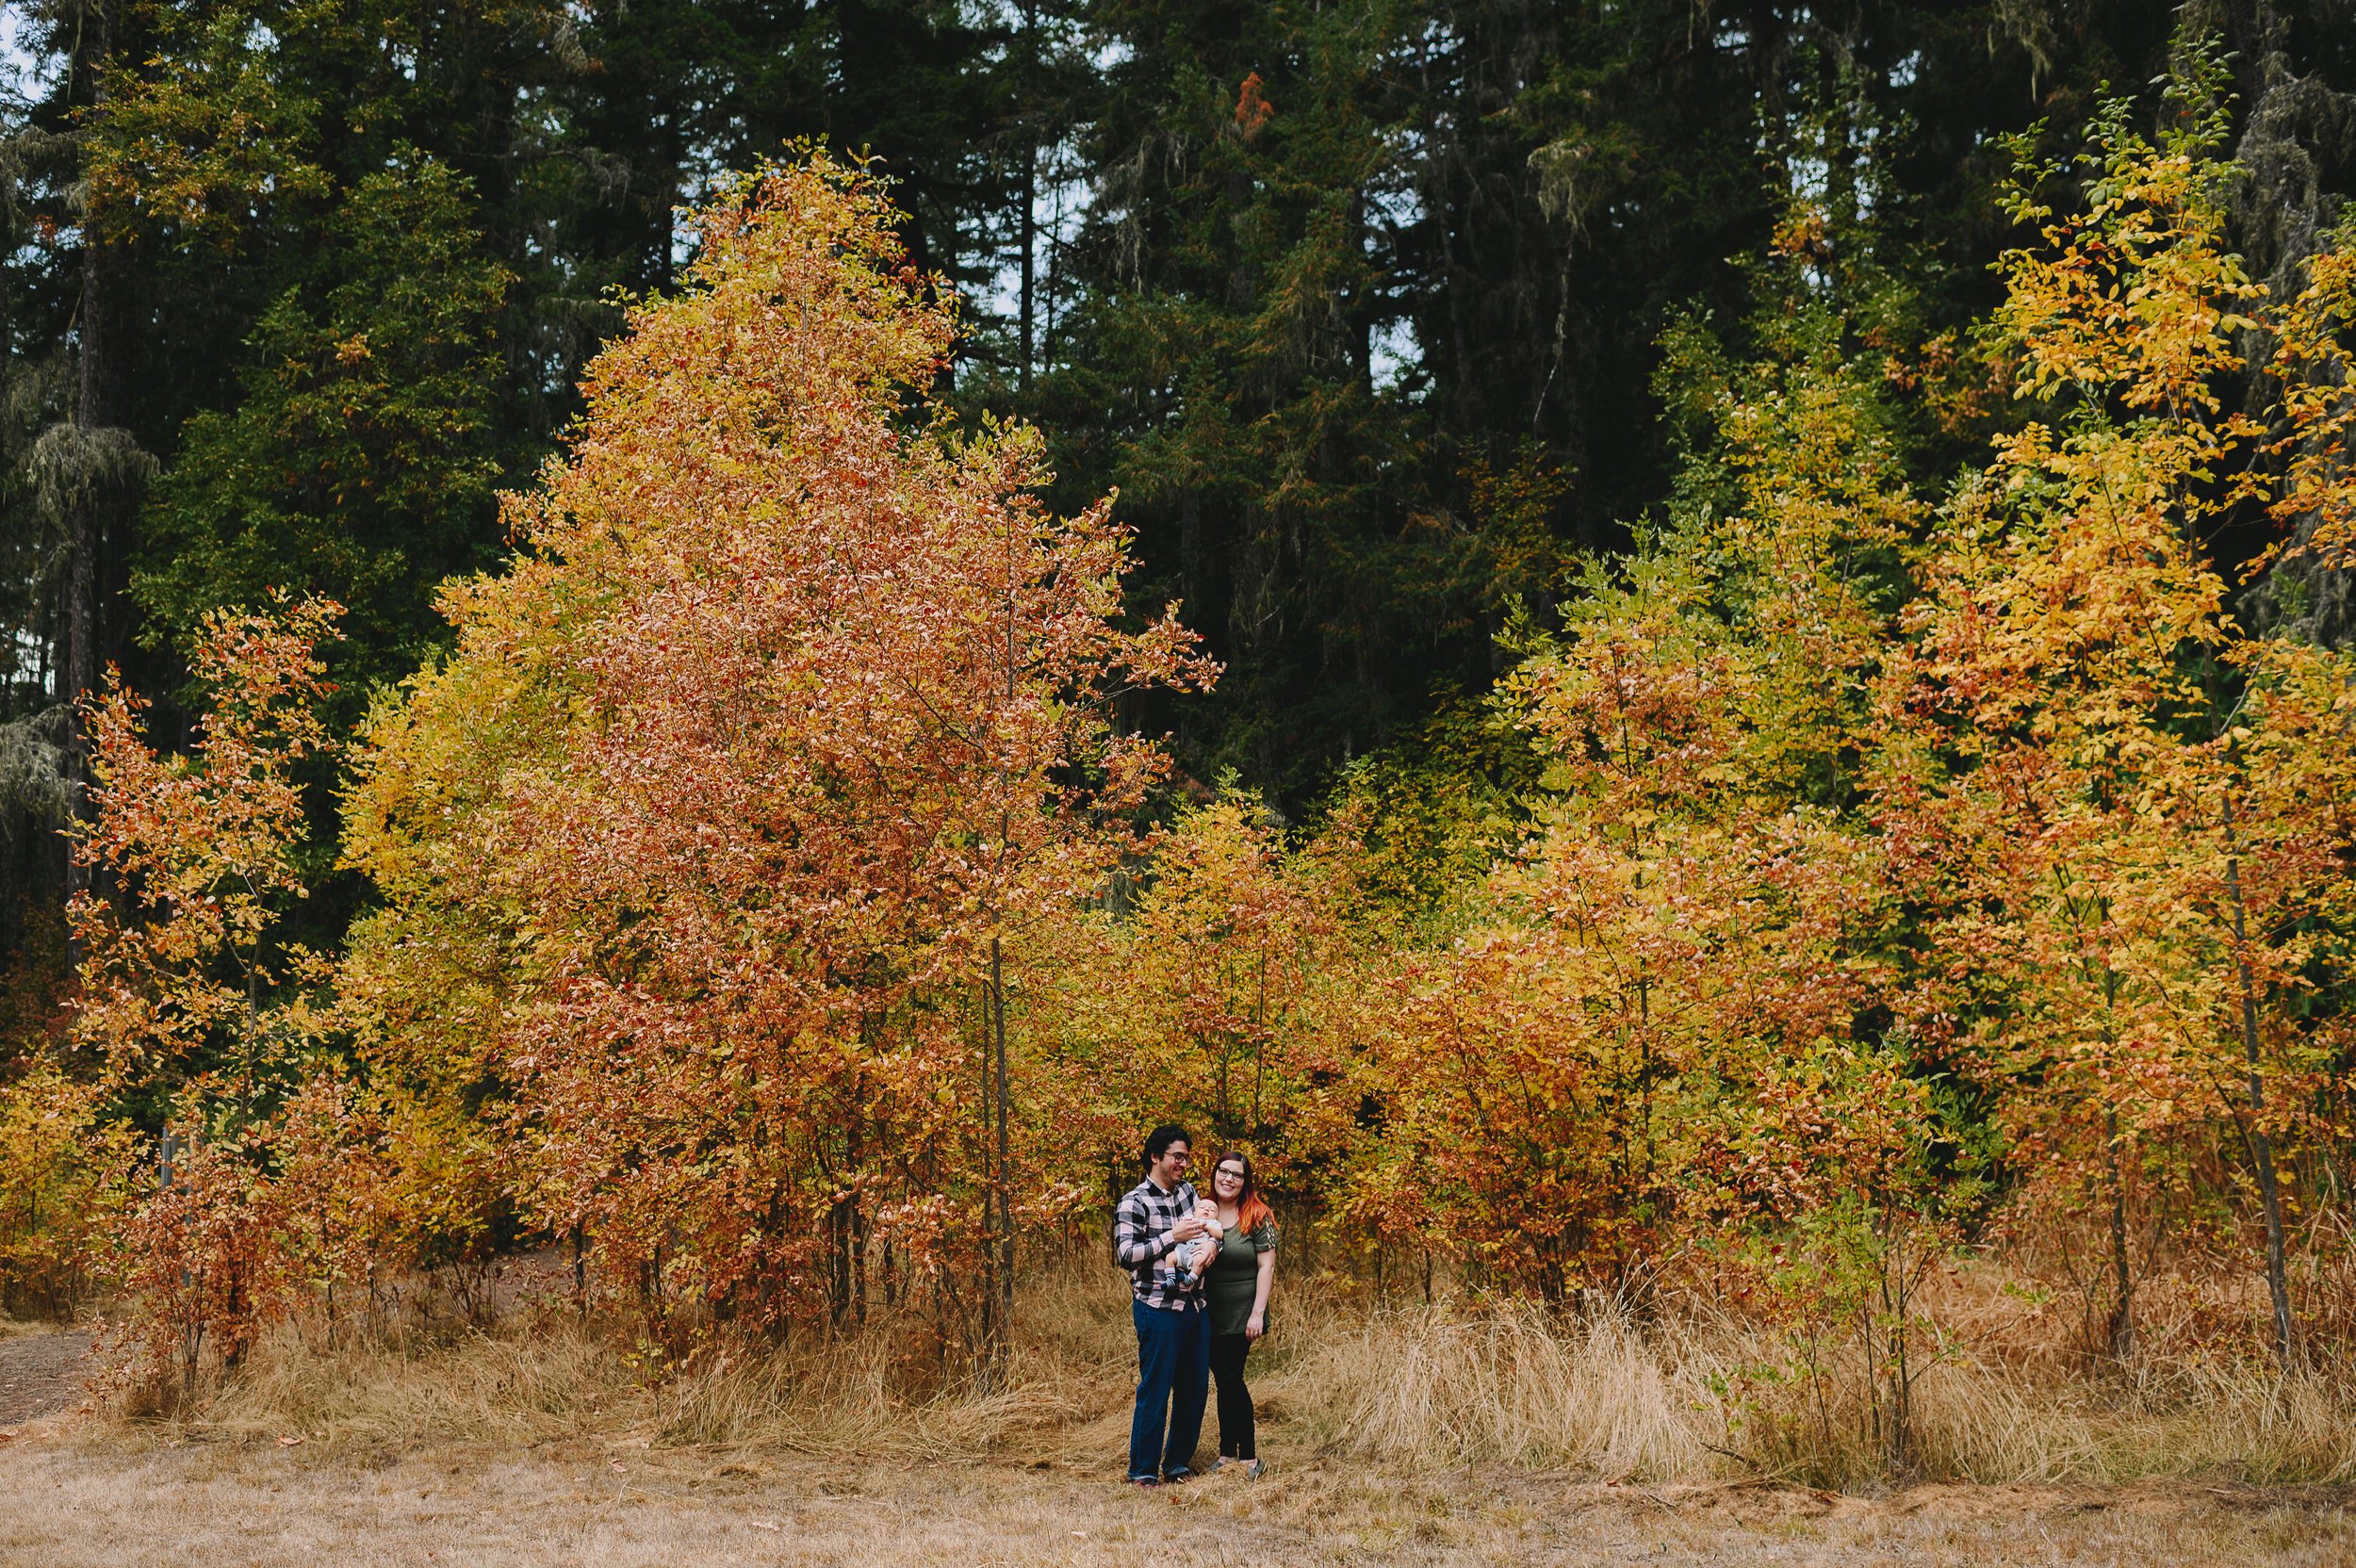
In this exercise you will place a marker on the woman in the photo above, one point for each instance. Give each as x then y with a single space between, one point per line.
1236 1292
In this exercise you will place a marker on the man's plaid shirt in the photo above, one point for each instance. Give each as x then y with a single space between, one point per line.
1141 1245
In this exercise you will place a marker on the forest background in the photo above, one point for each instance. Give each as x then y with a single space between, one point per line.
1752 739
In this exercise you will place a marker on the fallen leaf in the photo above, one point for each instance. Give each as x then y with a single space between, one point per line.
290 1442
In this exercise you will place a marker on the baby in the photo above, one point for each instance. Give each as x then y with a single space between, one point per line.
1193 1257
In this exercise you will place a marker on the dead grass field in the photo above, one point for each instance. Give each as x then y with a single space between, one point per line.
74 1497
1404 1437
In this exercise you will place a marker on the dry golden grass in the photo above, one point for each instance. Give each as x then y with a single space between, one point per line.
1411 1435
1691 1403
1689 1398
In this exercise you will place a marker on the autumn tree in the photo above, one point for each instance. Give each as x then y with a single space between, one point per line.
1695 917
199 1012
61 1171
201 856
792 713
1218 993
2138 806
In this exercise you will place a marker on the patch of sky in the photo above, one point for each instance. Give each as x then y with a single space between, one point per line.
1394 354
28 70
1868 136
1059 205
1437 37
28 661
1811 174
1394 200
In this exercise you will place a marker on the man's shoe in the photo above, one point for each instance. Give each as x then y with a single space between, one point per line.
1172 1478
1145 1480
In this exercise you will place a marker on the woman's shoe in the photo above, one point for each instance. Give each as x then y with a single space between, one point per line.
1251 1468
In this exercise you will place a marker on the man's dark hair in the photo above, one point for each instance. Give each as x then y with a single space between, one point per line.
1158 1142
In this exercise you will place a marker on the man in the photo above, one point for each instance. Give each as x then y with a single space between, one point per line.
1156 1217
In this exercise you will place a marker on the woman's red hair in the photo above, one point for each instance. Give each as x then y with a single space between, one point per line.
1251 1210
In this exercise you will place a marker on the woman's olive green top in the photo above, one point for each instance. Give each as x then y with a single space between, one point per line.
1234 1279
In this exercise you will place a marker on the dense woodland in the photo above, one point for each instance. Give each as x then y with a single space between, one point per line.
1670 653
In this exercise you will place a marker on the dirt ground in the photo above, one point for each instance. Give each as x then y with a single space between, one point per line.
69 1503
75 1492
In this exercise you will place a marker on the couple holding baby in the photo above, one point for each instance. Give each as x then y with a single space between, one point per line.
1200 1268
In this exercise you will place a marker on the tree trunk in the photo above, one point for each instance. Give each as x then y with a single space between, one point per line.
1002 1319
2261 1146
986 1303
1029 225
79 671
999 1312
2121 1328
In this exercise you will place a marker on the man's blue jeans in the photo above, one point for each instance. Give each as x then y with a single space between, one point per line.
1173 1370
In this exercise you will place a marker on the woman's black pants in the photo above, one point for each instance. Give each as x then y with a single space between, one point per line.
1235 1399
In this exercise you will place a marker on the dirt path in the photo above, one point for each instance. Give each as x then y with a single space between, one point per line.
73 1496
40 1375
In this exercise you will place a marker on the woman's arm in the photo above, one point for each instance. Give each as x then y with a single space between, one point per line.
1257 1324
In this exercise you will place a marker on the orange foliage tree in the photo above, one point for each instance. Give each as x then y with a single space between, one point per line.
202 852
1220 993
2136 808
703 844
1695 928
199 1012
